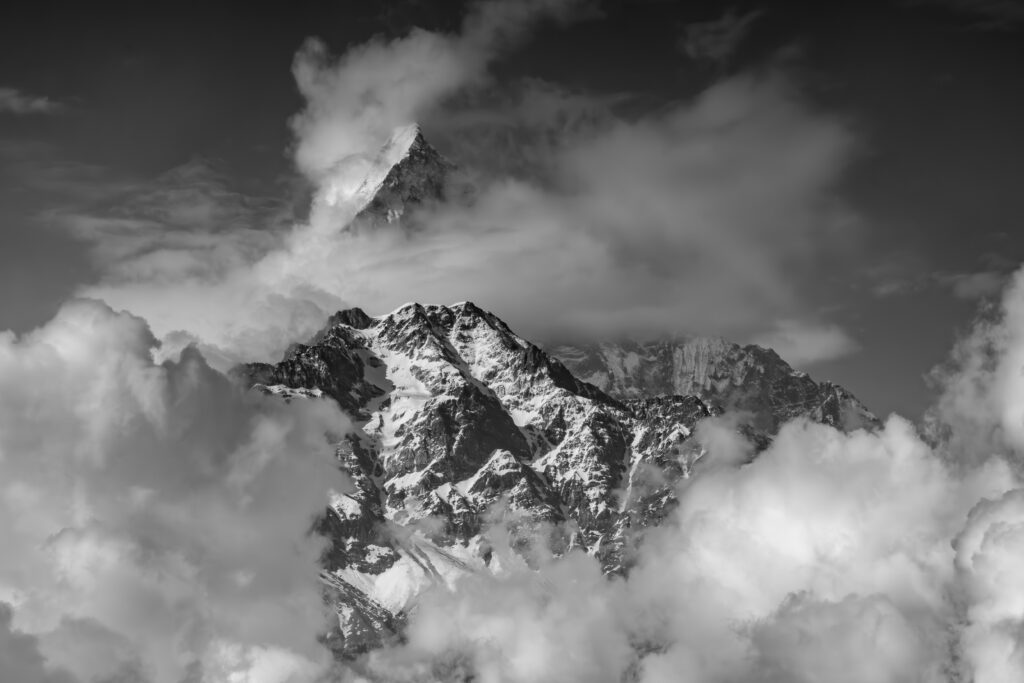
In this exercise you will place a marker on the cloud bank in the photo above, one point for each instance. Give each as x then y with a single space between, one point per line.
156 516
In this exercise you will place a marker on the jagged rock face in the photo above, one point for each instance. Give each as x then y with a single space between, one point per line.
419 178
740 379
460 421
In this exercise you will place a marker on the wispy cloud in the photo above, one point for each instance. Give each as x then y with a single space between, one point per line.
189 219
14 101
716 41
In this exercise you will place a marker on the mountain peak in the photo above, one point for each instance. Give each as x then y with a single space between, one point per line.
417 175
456 417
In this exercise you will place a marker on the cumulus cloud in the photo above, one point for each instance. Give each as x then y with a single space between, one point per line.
157 517
14 101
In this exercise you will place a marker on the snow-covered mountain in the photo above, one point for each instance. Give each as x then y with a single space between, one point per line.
460 422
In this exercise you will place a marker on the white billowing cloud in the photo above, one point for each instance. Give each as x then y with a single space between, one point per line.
156 517
14 101
803 343
827 546
990 557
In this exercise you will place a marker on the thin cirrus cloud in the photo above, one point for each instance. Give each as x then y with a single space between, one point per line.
14 101
701 217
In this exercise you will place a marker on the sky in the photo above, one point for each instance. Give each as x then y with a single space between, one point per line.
839 183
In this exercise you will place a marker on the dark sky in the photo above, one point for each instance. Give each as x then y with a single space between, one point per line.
933 90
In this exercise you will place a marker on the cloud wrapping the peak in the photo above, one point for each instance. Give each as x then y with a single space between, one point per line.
353 103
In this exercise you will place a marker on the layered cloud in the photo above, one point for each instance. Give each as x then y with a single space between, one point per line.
705 216
157 517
